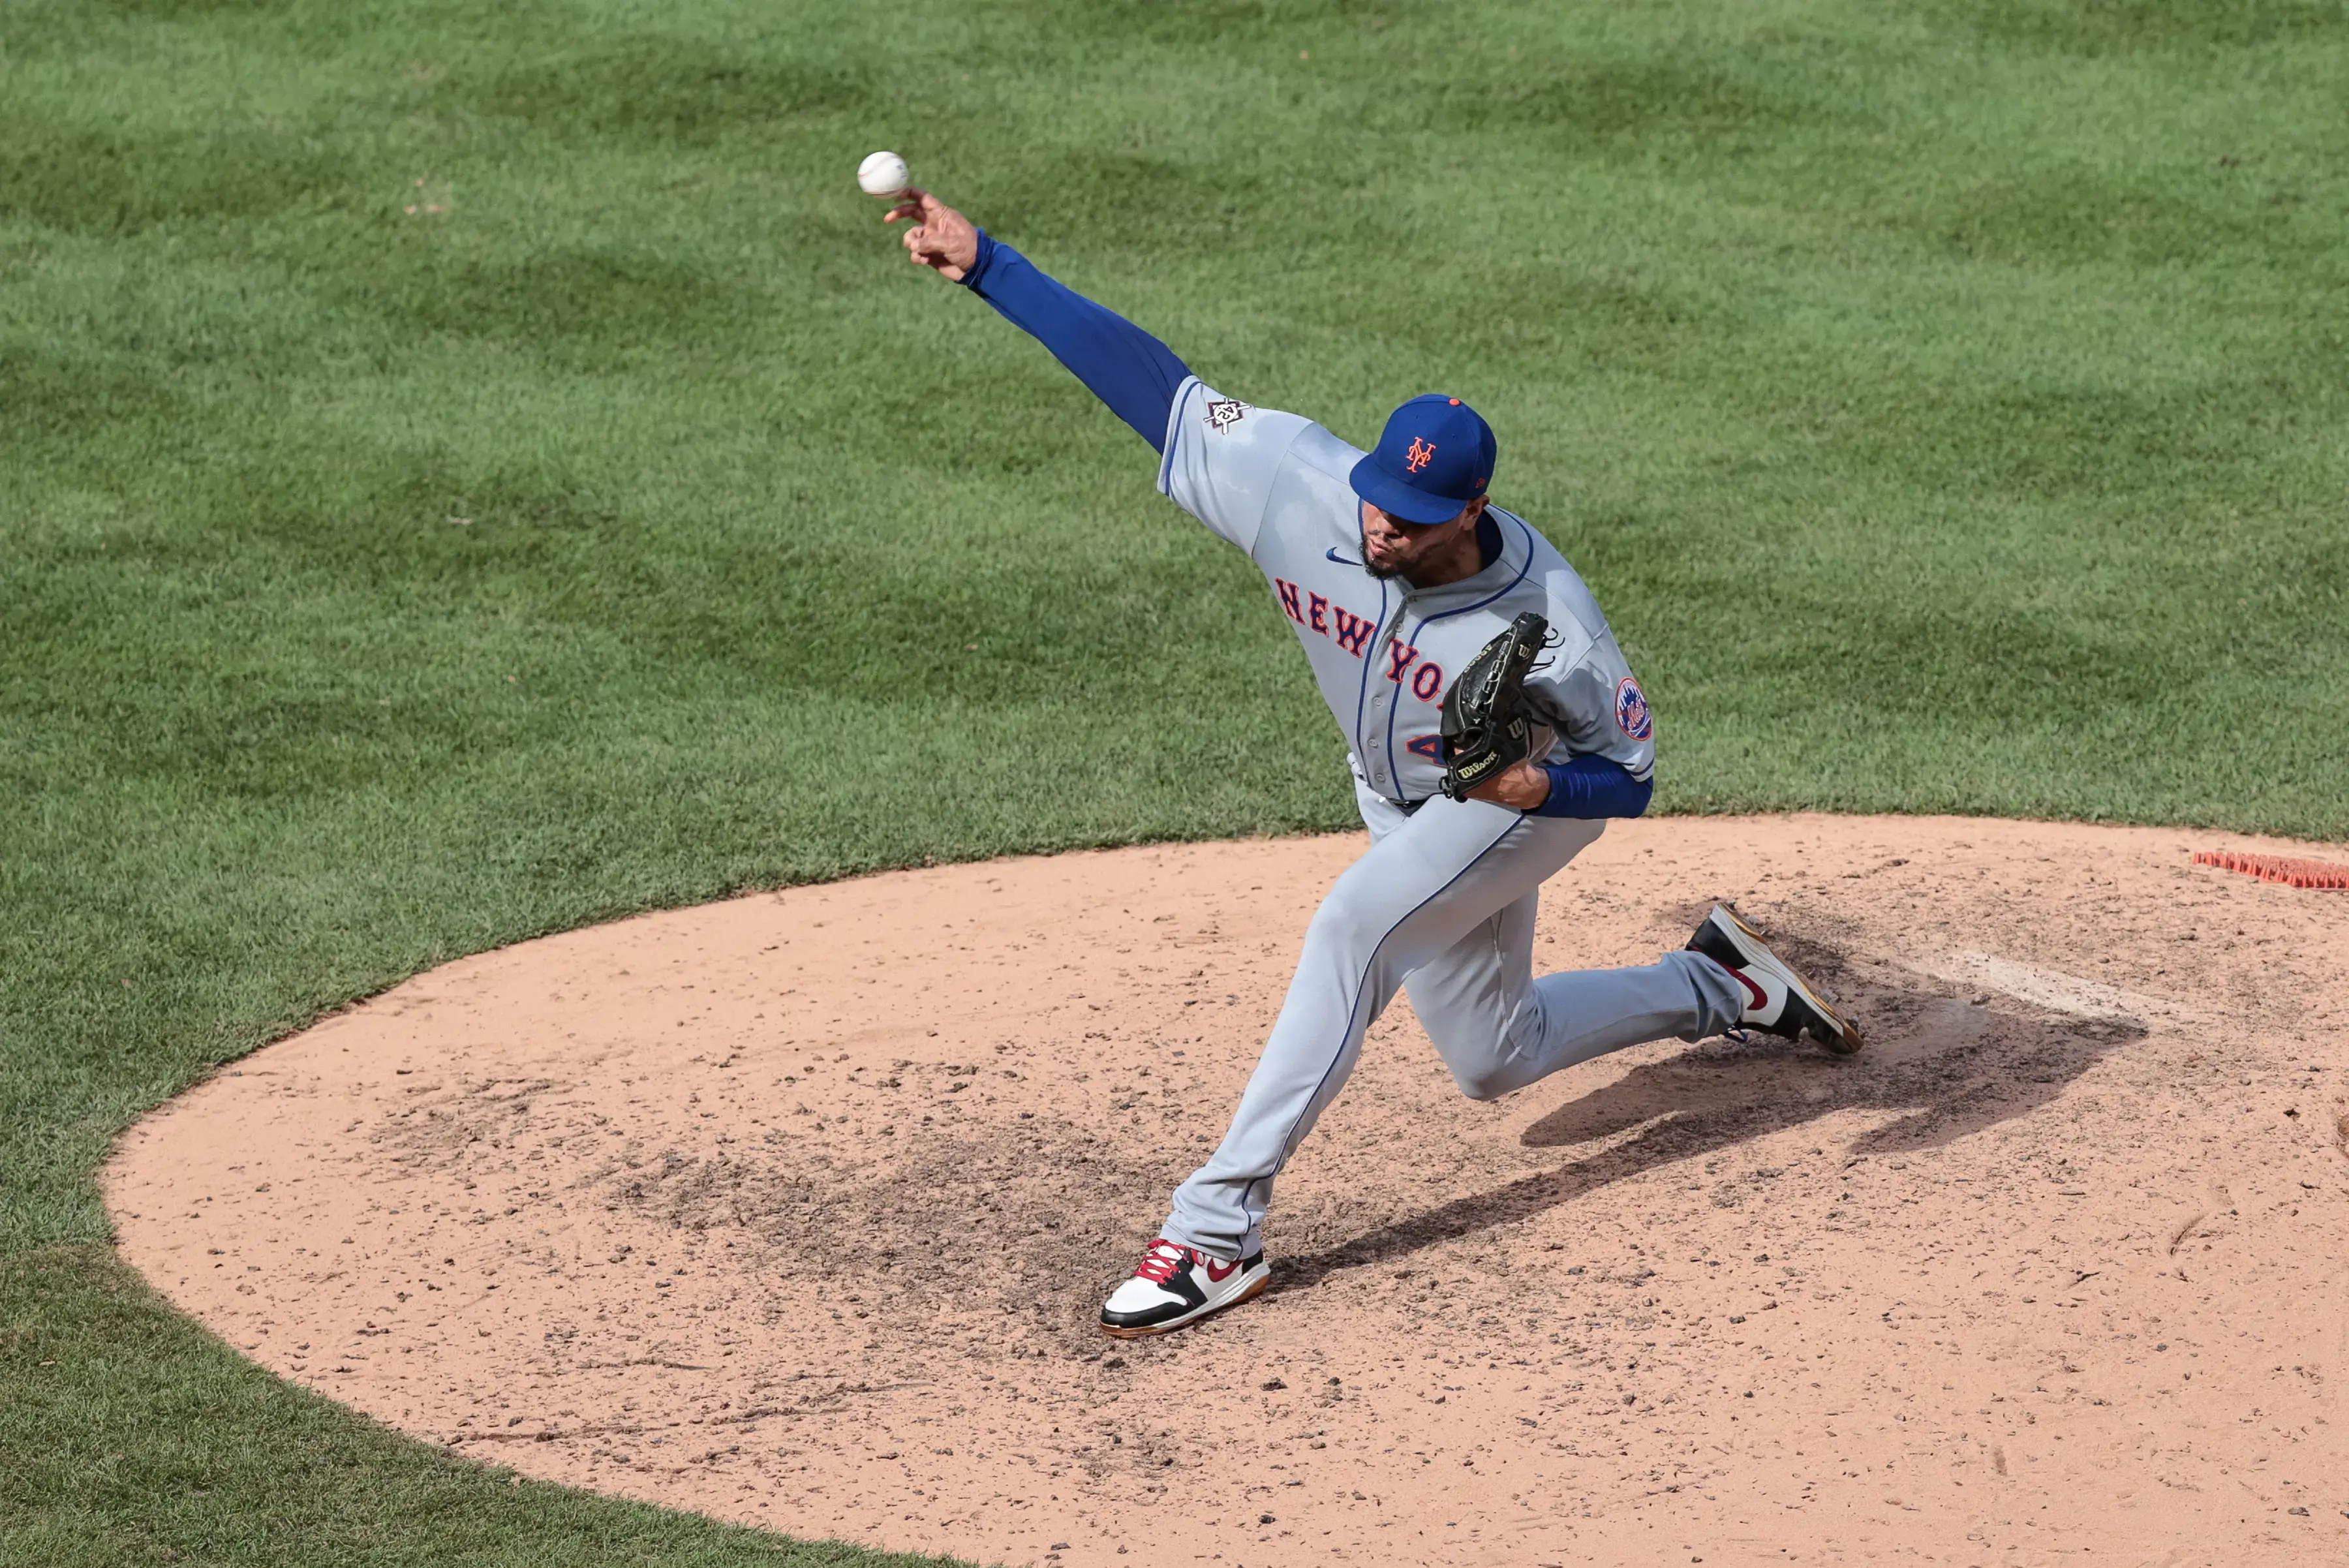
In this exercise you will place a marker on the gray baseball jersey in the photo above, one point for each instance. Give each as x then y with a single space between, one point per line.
1274 484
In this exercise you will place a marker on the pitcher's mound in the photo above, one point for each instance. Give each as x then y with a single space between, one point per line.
797 1210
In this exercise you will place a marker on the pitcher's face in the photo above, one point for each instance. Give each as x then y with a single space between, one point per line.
1391 547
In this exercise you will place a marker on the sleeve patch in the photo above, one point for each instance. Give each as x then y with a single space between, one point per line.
1631 715
1223 413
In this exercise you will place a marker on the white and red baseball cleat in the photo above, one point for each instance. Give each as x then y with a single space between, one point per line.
1177 1284
1777 999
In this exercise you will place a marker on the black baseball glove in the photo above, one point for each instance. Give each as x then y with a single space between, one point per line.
1486 728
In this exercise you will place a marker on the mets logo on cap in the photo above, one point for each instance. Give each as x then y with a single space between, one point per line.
1631 714
1434 457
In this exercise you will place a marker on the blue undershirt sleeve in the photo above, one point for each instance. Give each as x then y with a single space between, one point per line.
1136 375
1593 787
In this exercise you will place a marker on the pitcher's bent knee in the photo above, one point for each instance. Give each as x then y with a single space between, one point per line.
1490 1082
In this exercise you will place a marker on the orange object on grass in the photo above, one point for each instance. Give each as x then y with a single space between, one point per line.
2277 868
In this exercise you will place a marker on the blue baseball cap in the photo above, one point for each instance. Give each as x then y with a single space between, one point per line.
1436 457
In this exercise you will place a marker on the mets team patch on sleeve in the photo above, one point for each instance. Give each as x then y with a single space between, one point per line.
1631 709
1223 413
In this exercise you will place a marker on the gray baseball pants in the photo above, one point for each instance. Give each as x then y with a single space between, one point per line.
1442 904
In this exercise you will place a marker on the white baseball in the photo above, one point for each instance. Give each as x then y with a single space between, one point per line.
882 174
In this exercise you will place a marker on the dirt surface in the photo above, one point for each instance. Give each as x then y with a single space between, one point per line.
796 1209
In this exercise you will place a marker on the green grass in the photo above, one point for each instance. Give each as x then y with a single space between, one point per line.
1944 399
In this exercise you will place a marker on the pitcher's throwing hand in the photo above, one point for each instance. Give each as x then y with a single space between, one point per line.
943 239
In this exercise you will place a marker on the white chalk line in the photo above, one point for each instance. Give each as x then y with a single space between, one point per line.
2048 988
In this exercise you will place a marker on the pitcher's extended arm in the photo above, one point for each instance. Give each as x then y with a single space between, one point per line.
1135 374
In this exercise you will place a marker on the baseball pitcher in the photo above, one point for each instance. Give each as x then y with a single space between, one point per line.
1493 728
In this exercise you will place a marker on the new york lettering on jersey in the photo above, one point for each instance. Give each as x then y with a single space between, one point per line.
1274 484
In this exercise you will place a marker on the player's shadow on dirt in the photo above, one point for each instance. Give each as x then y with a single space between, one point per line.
1950 1066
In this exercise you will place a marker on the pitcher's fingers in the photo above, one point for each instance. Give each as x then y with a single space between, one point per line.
902 210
